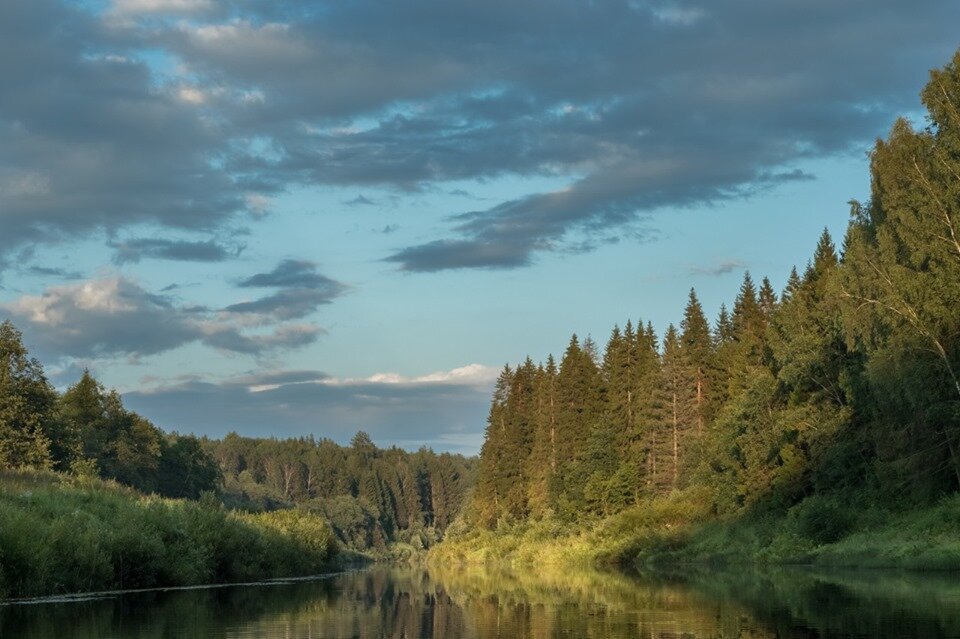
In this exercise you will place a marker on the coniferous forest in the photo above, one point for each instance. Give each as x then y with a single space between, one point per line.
838 393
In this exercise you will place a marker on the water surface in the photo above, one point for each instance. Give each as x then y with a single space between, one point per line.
454 603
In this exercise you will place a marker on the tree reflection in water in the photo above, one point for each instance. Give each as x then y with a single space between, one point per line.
488 603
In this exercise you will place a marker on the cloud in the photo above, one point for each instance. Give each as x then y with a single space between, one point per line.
302 288
471 375
360 200
723 268
285 304
89 141
115 316
50 271
294 273
136 249
636 106
448 412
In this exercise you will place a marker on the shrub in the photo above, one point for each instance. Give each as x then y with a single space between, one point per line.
821 520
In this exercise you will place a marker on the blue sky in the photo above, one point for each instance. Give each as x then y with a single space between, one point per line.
310 217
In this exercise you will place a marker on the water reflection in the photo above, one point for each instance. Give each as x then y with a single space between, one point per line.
454 603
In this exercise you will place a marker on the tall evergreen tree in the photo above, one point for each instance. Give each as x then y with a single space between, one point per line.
696 347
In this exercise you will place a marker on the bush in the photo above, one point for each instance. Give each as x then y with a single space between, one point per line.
821 520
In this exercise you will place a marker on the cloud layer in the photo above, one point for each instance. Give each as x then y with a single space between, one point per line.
116 317
189 113
444 410
301 289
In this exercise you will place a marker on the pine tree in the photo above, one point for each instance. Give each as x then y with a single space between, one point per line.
619 370
696 346
487 500
677 401
767 299
542 460
513 470
579 395
793 285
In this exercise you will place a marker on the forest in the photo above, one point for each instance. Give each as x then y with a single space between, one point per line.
371 497
835 395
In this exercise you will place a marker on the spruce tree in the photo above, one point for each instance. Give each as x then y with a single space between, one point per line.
696 346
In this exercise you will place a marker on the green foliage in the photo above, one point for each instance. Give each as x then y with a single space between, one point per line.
370 496
59 535
26 405
821 520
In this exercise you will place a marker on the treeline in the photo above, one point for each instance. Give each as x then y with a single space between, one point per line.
87 431
844 383
371 496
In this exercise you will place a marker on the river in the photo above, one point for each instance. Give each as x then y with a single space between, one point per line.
453 603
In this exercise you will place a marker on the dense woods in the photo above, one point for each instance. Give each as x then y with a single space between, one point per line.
87 431
842 387
371 496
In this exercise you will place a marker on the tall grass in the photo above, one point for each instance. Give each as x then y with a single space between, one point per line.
678 529
60 534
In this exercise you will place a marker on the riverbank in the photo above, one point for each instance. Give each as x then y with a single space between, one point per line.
62 534
674 530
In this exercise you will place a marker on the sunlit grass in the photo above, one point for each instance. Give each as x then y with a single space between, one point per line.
678 529
61 534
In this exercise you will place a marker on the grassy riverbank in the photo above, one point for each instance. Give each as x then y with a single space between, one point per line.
674 530
62 534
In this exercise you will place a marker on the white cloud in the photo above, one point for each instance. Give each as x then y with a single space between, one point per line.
191 95
469 375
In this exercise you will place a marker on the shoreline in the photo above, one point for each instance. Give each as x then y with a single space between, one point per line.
80 597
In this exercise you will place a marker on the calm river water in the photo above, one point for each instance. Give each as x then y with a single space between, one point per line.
454 603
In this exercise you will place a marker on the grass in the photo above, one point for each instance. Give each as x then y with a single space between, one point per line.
60 534
677 530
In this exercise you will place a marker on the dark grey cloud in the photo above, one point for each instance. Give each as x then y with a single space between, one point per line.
136 249
89 141
285 304
360 200
115 317
283 404
294 273
637 105
642 105
53 271
286 337
302 289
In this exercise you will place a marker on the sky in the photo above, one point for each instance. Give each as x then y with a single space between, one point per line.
311 217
